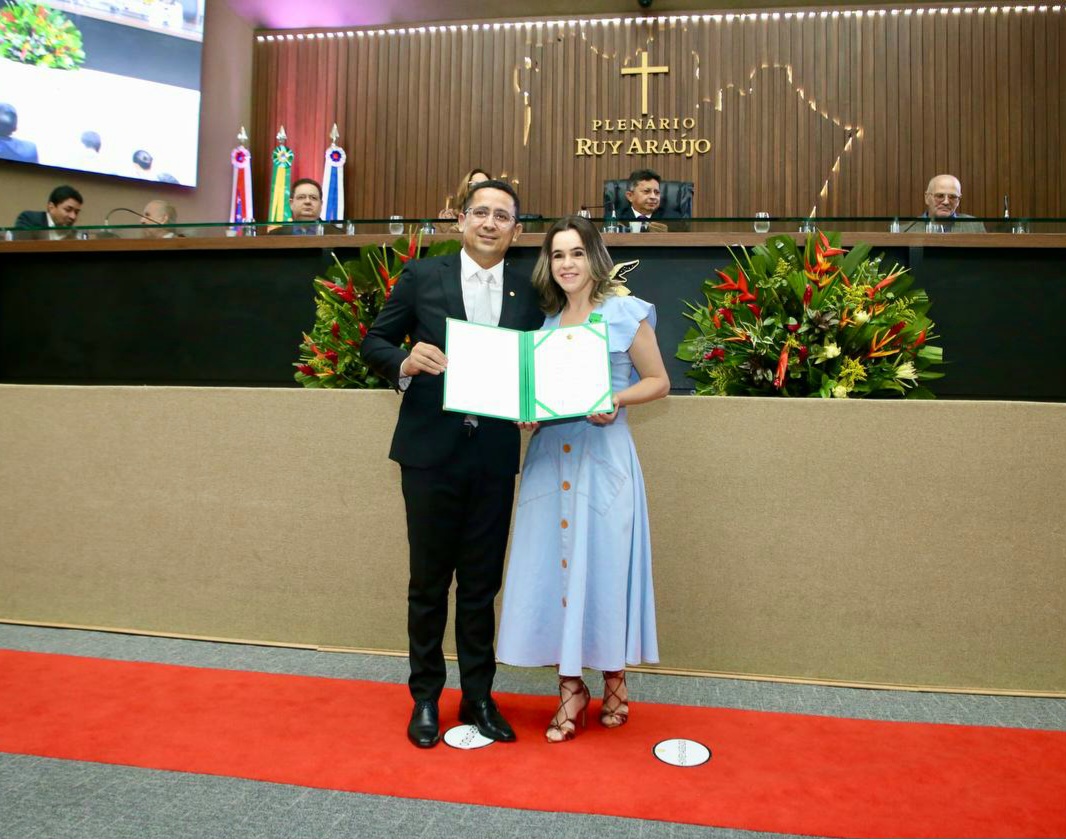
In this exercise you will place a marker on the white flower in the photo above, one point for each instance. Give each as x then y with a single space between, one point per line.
906 371
840 392
831 350
861 316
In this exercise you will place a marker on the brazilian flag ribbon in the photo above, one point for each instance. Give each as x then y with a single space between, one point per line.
281 180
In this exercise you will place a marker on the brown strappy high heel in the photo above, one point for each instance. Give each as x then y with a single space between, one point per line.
558 731
615 709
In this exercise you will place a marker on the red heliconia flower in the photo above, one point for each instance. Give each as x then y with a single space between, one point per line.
808 293
717 321
362 330
718 353
335 329
919 340
755 310
306 369
896 329
792 327
384 272
803 352
332 357
822 248
345 294
728 284
885 283
412 248
728 315
782 367
745 295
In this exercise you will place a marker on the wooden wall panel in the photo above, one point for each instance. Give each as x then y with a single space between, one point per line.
847 112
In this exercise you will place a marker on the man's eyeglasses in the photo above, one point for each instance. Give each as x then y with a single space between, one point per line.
481 214
946 196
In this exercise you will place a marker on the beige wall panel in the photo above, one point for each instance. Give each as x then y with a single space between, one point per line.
913 543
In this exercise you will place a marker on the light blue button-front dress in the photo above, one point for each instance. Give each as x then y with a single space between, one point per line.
579 587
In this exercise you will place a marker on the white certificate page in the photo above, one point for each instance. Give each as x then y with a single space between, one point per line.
484 369
571 371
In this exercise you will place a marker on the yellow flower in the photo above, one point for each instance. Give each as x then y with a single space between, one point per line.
851 371
840 392
860 317
831 350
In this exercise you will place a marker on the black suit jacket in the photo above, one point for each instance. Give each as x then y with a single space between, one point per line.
31 218
428 292
629 214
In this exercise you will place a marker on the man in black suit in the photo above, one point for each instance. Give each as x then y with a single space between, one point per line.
645 211
457 472
62 210
305 203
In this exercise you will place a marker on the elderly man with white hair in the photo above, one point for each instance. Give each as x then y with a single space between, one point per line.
942 199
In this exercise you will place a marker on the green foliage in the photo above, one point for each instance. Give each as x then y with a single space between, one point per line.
31 33
820 321
347 299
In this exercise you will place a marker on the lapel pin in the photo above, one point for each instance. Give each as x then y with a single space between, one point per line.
511 293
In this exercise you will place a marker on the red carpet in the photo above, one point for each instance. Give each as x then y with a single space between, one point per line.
769 771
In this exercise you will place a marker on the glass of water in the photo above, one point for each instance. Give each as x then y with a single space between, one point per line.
762 222
396 225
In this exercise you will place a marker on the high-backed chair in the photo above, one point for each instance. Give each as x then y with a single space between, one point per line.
676 198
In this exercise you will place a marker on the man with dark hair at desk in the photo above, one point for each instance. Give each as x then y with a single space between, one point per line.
305 203
64 205
645 210
942 199
12 148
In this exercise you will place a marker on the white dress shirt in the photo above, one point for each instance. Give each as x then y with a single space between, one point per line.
469 272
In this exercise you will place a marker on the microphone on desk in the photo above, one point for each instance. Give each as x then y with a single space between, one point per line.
1006 207
107 218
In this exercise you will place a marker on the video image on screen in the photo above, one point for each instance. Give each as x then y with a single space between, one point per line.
108 86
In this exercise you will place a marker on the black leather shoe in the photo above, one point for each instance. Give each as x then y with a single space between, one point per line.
487 717
424 728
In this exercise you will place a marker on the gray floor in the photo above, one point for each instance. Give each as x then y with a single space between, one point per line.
53 798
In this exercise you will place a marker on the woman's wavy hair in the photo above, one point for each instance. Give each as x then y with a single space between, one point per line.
552 296
463 189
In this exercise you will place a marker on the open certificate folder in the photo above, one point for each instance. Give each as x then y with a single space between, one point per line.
526 376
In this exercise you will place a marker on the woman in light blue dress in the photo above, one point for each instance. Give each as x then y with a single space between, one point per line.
579 589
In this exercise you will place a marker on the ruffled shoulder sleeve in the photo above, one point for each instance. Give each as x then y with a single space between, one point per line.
623 315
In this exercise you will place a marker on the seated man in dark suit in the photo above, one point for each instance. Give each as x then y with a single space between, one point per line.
942 199
64 205
645 211
306 206
12 148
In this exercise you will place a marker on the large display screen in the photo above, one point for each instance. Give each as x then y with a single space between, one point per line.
109 86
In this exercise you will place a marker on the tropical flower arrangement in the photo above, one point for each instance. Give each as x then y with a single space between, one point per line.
31 33
817 321
347 299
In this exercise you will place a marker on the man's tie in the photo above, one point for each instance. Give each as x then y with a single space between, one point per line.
643 223
482 308
481 313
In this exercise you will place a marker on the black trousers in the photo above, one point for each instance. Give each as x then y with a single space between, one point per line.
458 516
